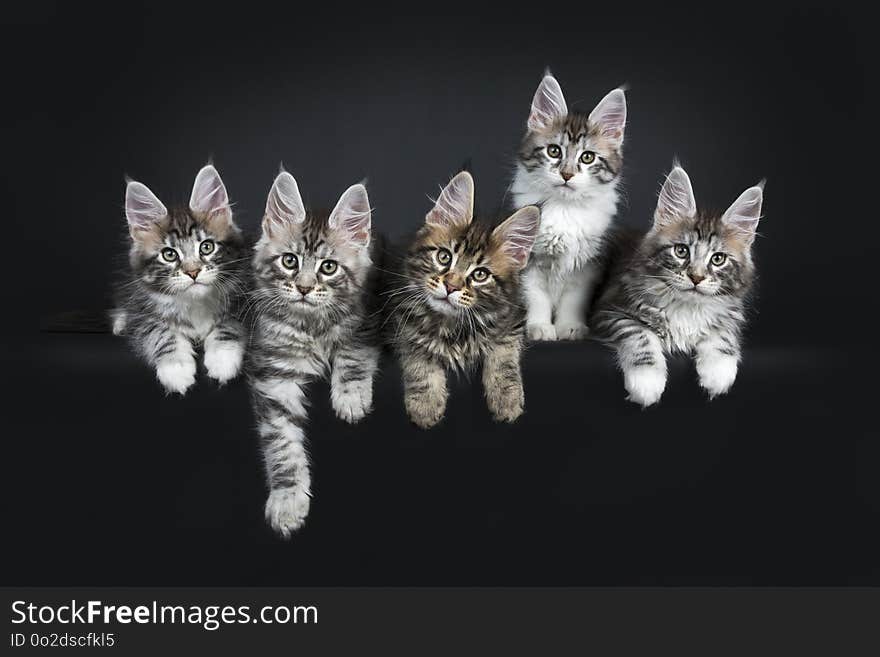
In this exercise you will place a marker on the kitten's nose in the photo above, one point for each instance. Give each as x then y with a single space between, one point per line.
696 278
450 288
304 290
566 176
192 273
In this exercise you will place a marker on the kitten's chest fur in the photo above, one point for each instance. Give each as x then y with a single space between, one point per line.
571 232
685 321
195 317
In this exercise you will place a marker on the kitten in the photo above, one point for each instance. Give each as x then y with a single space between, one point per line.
456 301
184 285
682 288
312 272
569 164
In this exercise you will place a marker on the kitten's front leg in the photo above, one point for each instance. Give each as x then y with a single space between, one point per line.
574 303
502 381
640 355
717 359
171 353
279 405
539 305
424 390
224 350
351 381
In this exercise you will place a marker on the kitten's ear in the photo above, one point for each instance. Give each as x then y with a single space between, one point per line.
676 199
352 215
745 212
142 209
456 202
284 206
517 234
209 196
548 105
610 116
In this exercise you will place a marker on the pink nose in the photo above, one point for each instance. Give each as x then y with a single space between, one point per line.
192 273
566 176
450 288
696 278
303 290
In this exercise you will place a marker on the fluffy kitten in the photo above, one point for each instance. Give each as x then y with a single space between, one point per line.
569 165
682 288
456 300
310 310
185 283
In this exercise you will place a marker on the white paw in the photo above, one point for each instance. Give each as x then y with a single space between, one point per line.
541 331
571 331
177 374
223 360
286 509
645 385
354 402
118 321
717 374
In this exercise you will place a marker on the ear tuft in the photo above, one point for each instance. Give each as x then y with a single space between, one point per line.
456 202
745 213
676 200
142 209
352 215
610 116
284 207
517 234
548 105
209 195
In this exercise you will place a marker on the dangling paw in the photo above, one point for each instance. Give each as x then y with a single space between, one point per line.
541 332
717 374
571 331
425 409
286 509
645 385
506 404
223 360
352 401
177 374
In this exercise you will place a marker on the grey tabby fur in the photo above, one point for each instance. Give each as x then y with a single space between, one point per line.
682 288
185 283
310 313
454 301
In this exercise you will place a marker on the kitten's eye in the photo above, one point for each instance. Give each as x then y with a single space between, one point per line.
329 267
207 247
719 259
480 274
588 157
444 257
554 151
169 254
681 251
289 261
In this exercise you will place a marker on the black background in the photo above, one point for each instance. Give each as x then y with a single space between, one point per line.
109 482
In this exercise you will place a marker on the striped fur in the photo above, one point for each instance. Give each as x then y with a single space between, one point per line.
443 314
569 164
308 322
681 288
184 285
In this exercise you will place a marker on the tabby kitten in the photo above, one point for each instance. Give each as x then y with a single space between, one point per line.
309 307
682 289
456 300
184 285
569 164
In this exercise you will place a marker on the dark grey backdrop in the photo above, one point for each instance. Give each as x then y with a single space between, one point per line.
772 485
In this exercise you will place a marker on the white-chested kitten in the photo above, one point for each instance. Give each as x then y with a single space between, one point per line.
569 164
183 288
